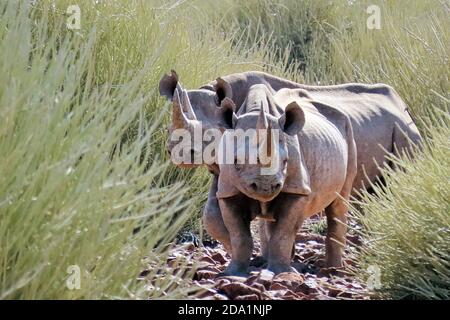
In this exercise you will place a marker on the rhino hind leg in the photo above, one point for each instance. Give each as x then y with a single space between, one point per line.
337 211
335 240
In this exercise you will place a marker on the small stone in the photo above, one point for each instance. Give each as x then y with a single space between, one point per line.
218 258
232 290
247 297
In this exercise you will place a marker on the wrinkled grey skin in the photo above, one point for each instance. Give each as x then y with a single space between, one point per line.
318 144
378 116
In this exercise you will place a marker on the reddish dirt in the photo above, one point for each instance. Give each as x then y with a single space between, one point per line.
312 281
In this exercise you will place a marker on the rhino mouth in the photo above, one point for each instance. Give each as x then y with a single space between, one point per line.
264 193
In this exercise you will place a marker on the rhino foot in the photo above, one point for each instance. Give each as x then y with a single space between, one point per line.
278 268
235 269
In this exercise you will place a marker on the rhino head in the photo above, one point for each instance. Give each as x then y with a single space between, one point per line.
196 120
257 165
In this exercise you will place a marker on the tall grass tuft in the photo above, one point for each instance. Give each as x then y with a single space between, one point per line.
71 194
407 224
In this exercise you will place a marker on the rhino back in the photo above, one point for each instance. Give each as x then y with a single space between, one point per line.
374 112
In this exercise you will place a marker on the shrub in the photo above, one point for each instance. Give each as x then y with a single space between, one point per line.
407 224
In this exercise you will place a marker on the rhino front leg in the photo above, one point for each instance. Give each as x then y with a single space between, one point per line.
237 221
283 232
336 214
213 220
260 260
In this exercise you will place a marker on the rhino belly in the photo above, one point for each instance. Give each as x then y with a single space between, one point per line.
326 160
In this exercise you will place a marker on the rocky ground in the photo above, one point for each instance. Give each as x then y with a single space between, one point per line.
312 280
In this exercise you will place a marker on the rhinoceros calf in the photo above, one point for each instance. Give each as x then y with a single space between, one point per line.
313 156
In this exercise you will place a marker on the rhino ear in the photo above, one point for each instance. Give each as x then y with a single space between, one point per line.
293 119
168 84
223 90
226 114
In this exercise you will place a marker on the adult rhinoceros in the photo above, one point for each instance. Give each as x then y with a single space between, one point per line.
312 154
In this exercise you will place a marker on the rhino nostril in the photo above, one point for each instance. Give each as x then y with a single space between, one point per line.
276 187
253 186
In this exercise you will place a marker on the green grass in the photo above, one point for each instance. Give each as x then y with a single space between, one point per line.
66 197
407 225
82 135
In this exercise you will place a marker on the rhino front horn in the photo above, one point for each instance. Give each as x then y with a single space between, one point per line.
264 137
179 119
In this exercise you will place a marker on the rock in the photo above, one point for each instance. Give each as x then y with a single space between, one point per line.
258 286
265 277
308 287
278 286
216 296
234 289
209 268
290 295
289 279
218 258
204 274
208 260
232 278
248 297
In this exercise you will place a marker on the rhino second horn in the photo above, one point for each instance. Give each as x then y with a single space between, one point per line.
179 119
